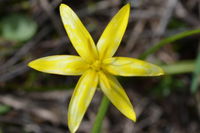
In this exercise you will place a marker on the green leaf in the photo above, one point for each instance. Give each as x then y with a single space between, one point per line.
167 85
196 75
168 40
17 27
4 109
179 67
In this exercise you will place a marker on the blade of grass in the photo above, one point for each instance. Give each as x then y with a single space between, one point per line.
168 40
196 75
179 67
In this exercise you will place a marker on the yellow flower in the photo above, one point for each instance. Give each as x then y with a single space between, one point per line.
96 65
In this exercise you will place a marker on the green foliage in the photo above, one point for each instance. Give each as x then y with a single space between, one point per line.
196 75
4 109
168 40
167 85
179 67
176 24
17 27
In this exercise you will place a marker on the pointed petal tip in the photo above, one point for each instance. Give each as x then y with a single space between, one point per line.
134 119
72 130
161 72
132 116
30 64
62 6
72 127
33 64
127 6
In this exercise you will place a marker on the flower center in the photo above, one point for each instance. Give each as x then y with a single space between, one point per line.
96 65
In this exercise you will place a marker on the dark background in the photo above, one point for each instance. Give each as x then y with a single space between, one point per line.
35 102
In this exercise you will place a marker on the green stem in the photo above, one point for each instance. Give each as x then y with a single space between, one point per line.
171 69
101 114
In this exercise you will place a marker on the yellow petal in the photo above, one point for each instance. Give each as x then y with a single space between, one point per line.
78 34
125 66
81 98
60 64
112 35
116 94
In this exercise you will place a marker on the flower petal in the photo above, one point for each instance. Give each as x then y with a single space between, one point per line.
112 35
78 34
60 64
81 98
114 91
125 66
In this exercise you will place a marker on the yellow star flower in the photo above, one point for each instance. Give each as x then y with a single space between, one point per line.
96 65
